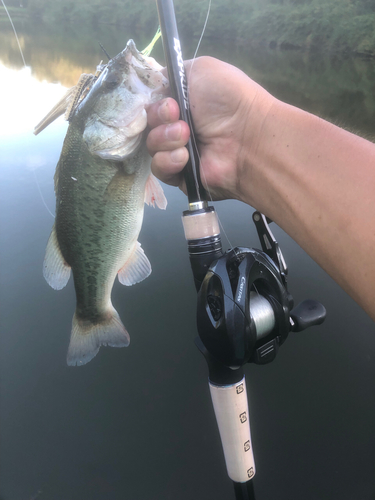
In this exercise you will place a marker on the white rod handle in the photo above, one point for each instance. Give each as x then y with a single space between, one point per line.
232 415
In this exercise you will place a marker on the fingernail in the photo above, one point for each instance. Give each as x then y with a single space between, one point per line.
163 111
178 155
173 131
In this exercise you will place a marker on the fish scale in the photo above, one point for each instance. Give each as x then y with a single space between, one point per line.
93 243
102 180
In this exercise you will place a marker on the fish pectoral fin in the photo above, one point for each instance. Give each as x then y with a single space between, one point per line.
55 270
154 193
87 337
136 268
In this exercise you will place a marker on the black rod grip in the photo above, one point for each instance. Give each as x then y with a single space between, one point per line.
179 91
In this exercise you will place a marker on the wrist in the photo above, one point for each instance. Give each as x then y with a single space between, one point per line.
256 143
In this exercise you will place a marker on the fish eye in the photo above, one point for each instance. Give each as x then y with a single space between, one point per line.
112 80
112 83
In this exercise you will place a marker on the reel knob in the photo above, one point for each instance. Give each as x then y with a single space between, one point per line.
307 313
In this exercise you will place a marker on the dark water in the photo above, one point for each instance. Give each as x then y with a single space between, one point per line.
137 423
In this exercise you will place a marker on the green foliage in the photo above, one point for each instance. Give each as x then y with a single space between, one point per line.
127 12
333 25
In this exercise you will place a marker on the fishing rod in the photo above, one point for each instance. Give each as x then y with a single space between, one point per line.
244 309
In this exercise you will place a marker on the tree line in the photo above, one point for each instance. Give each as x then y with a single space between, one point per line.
333 25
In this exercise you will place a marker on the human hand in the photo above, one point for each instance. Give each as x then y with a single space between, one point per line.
312 178
228 110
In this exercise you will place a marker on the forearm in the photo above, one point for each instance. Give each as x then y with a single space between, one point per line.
317 182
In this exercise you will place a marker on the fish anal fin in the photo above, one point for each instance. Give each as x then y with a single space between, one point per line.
55 270
154 193
136 268
87 337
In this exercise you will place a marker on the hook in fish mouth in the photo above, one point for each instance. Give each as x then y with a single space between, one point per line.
74 97
105 52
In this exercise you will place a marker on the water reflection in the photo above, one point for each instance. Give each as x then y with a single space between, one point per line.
62 53
138 423
25 100
336 87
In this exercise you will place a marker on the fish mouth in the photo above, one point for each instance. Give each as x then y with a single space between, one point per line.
133 71
124 58
146 68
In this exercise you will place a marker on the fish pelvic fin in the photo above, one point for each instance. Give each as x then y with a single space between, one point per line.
87 337
55 270
136 268
154 193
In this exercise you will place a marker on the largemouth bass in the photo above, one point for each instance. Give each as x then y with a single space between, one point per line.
102 180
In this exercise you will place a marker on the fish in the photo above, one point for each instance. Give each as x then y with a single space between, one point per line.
102 180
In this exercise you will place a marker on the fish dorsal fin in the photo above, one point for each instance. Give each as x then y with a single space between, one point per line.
58 110
136 268
68 103
55 270
154 193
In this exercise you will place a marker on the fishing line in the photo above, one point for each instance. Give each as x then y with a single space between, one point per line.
207 188
204 29
191 126
40 192
15 32
25 65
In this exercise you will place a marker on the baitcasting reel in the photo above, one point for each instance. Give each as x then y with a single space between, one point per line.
245 311
244 314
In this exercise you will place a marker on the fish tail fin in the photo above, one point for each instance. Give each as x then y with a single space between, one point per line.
87 337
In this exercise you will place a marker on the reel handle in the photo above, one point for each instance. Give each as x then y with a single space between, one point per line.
307 313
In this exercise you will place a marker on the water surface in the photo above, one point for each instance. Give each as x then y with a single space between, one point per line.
137 423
